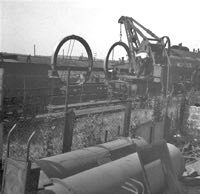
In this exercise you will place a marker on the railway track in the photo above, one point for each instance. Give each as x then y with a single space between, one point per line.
84 105
89 108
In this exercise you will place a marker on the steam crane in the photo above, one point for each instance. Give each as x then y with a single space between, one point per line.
148 65
148 54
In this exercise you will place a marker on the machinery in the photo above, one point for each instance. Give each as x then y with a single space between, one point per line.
67 164
153 65
148 57
25 176
104 168
119 176
113 167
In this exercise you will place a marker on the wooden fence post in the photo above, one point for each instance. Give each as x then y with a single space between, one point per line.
1 121
167 124
68 122
68 131
106 136
151 135
127 115
127 118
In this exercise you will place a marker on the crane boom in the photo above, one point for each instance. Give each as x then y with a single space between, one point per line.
146 49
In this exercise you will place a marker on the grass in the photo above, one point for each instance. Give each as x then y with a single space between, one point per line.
88 131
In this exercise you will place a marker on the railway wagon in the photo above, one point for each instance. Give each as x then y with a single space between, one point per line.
26 87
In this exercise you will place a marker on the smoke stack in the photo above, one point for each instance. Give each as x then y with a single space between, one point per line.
34 50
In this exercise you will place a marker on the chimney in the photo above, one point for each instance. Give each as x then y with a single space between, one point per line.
34 50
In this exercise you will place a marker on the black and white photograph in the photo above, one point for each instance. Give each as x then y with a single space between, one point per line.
99 97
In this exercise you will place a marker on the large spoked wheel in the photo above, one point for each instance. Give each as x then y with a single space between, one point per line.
87 48
109 79
108 55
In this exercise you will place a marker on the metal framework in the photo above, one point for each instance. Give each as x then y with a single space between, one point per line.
141 39
146 53
122 44
17 173
61 43
69 115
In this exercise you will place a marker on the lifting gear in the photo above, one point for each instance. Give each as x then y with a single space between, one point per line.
146 49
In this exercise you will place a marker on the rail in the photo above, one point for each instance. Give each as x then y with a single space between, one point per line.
84 105
90 108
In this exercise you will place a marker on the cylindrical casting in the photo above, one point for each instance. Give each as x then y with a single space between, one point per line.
68 164
110 177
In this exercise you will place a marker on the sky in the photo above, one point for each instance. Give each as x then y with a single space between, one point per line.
44 23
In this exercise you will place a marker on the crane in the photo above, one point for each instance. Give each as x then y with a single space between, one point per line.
148 64
148 54
146 48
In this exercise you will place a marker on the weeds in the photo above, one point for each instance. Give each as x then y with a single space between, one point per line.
88 131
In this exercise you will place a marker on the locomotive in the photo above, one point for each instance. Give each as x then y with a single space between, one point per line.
26 87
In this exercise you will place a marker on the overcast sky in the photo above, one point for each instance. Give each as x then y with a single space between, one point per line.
45 22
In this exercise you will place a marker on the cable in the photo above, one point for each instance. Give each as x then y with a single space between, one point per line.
72 47
120 34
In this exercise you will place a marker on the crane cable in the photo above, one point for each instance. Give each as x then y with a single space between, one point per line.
72 47
113 54
69 48
120 34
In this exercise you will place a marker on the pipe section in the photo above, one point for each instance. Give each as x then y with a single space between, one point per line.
110 177
68 164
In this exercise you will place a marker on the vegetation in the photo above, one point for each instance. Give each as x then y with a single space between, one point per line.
88 131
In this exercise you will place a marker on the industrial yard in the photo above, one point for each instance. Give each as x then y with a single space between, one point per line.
107 112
